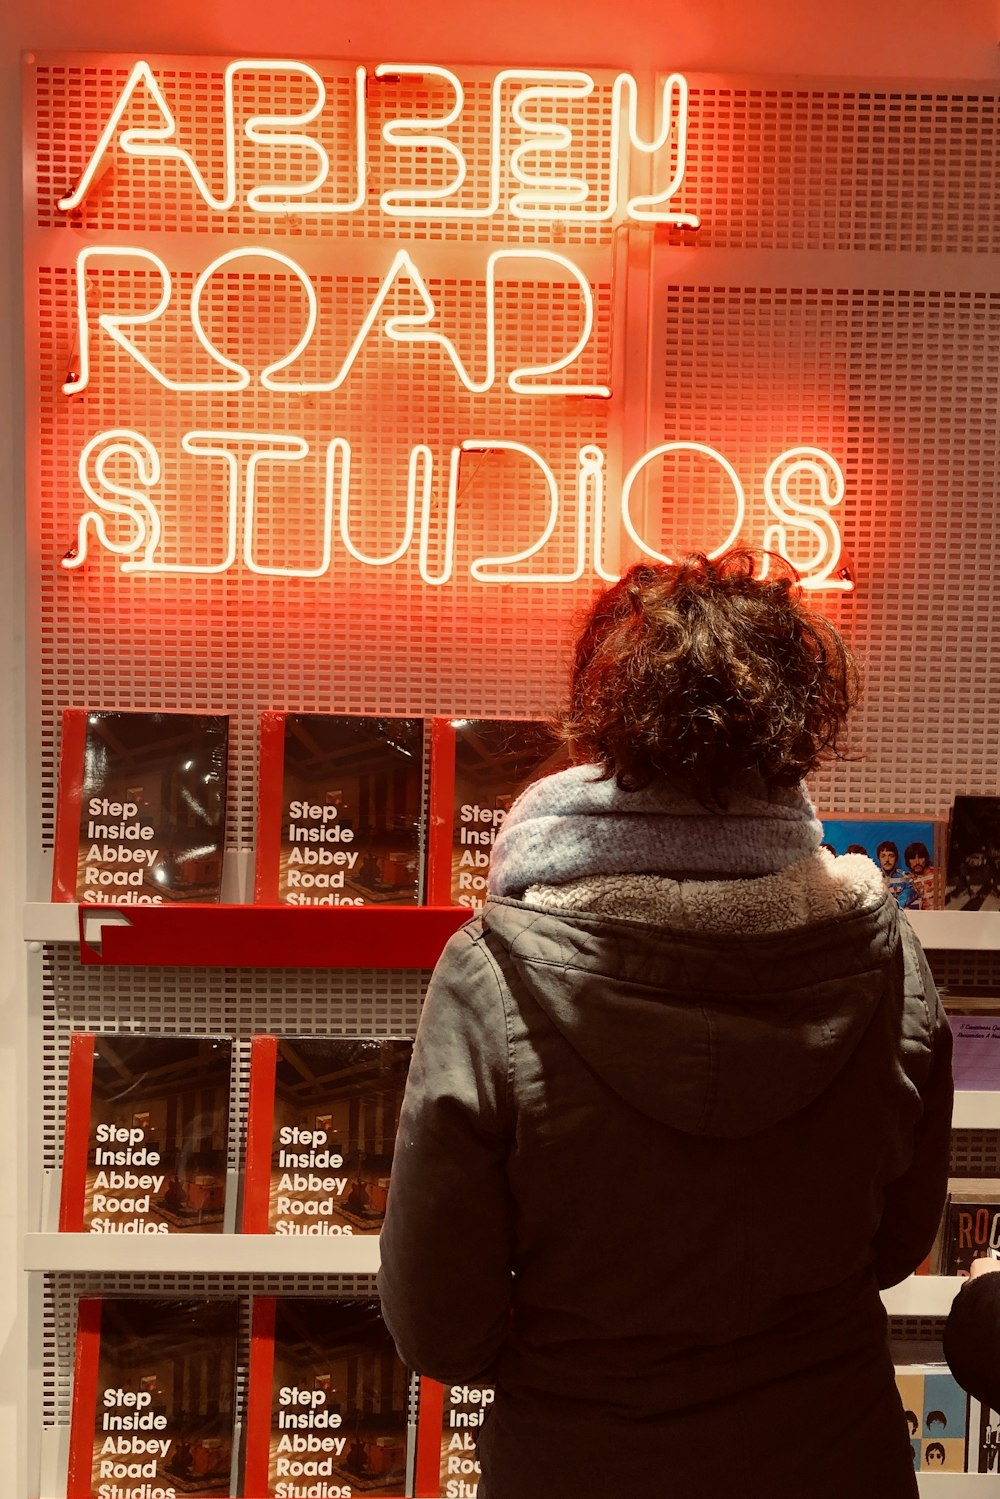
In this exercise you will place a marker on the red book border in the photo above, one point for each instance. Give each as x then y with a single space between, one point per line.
259 1397
80 1473
441 813
270 788
66 861
76 1136
430 1427
260 1135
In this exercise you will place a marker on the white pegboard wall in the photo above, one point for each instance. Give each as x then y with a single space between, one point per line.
902 387
809 167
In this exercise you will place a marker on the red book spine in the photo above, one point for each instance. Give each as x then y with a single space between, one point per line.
66 863
80 1474
430 1419
270 800
441 819
260 1135
259 1397
76 1137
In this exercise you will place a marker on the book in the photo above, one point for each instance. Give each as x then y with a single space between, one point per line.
937 1415
142 807
340 810
153 1397
479 766
327 1402
971 1223
907 851
973 864
146 1134
975 1062
448 1419
321 1126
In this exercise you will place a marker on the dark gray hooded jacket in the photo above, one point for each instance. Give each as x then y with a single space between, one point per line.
649 1181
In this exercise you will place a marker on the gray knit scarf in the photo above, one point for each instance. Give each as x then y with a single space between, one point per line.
571 825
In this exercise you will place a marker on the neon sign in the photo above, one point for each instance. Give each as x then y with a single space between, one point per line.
533 168
411 328
128 505
541 194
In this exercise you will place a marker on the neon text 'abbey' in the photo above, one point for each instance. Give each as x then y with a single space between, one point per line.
531 167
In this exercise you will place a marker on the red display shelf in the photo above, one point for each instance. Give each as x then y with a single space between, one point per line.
249 936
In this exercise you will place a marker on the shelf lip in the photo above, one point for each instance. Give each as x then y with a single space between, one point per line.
922 1296
976 1108
968 930
220 1254
258 936
247 935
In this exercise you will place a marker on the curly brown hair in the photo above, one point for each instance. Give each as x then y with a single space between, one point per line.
703 670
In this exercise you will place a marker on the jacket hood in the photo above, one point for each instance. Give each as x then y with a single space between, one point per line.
711 1032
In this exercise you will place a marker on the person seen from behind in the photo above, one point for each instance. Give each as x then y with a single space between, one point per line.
680 1097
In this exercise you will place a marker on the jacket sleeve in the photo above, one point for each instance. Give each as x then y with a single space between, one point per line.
446 1244
972 1339
914 1201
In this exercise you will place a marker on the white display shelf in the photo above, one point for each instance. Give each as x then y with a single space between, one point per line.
923 1296
218 1254
957 930
977 1110
958 1485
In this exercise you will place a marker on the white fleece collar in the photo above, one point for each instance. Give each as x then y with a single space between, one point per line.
814 889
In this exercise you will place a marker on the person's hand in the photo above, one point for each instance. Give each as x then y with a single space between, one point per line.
983 1267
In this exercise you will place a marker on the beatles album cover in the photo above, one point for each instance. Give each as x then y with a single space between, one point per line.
142 807
479 766
340 810
937 1415
153 1393
327 1402
321 1127
448 1421
146 1134
906 850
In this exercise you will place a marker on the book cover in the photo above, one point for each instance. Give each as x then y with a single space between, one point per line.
321 1127
327 1402
142 807
146 1134
479 766
973 865
340 810
975 1061
937 1415
448 1420
906 850
971 1224
152 1406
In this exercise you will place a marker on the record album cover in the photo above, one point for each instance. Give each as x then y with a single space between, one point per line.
146 1135
449 1418
321 1127
340 810
326 1402
142 807
479 766
153 1395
